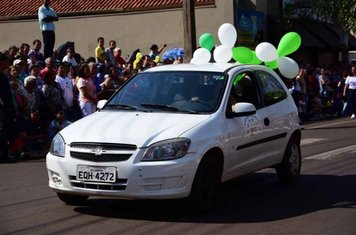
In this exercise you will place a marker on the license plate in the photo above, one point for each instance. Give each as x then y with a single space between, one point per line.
97 174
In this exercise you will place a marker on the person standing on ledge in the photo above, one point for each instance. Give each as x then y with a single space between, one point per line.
46 17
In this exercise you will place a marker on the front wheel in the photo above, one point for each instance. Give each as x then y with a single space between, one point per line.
289 169
206 185
73 200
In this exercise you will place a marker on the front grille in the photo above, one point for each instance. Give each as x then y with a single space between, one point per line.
101 152
105 146
100 158
119 185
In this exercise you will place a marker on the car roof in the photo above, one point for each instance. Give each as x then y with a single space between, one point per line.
211 67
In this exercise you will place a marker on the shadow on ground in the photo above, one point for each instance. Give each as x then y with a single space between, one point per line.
257 197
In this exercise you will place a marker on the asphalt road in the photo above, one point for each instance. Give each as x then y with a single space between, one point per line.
323 201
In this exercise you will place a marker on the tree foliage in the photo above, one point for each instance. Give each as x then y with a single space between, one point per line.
338 12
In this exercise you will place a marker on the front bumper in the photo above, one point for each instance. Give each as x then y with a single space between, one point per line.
134 180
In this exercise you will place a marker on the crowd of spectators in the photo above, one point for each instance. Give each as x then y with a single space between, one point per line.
43 95
320 93
40 96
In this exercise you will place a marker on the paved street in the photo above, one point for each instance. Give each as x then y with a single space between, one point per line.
323 201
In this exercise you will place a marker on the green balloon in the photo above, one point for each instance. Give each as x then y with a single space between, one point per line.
238 78
272 64
242 54
254 59
289 43
207 41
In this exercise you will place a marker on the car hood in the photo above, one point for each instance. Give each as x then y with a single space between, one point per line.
127 127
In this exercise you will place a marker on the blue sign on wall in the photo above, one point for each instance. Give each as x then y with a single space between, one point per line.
250 26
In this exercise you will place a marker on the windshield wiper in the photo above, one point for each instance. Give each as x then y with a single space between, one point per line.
167 108
122 106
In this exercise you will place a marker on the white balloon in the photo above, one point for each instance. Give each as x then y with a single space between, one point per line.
227 35
201 56
222 54
288 67
266 52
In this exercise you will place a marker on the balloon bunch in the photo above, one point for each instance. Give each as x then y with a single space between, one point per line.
264 52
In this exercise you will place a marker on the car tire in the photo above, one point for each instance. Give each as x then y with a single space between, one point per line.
206 185
289 169
73 200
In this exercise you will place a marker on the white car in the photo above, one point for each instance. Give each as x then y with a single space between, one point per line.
178 131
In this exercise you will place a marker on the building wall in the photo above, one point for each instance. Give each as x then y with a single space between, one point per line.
130 30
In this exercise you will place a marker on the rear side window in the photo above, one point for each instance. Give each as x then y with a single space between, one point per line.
272 90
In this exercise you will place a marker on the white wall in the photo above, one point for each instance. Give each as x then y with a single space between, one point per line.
130 30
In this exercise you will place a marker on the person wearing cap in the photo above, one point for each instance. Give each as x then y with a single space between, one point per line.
155 51
46 17
29 94
21 66
7 111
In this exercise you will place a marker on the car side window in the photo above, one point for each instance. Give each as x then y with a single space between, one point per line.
272 90
244 89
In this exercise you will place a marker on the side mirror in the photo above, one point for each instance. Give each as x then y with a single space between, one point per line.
101 104
243 109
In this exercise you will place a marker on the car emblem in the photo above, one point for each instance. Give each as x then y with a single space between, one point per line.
97 151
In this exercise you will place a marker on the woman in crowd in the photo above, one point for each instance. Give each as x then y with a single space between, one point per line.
87 91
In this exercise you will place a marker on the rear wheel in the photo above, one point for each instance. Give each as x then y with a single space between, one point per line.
73 200
289 169
206 185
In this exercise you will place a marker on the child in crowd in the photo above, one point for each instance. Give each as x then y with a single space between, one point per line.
58 123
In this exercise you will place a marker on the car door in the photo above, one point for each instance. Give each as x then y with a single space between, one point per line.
278 110
247 136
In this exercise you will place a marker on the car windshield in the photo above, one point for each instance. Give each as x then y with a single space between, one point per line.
173 91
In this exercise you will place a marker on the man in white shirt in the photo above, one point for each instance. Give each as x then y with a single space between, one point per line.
66 87
46 17
69 57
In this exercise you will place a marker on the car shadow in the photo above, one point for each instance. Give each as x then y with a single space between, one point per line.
257 197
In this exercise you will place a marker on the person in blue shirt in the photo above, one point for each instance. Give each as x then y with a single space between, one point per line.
46 17
58 123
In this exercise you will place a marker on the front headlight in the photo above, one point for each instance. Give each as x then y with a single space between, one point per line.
57 146
167 150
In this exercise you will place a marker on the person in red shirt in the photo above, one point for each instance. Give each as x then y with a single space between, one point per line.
50 66
119 61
